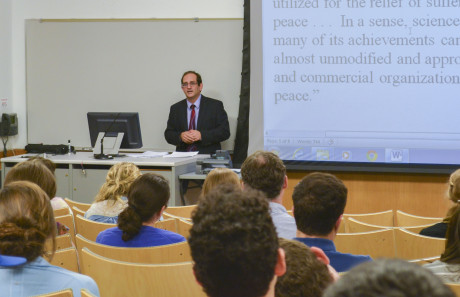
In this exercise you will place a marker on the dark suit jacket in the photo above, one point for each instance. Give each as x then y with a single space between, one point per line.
212 124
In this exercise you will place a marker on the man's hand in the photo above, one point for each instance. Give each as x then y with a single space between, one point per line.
196 135
186 137
190 136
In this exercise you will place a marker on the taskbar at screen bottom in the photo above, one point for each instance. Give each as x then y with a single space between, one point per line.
368 155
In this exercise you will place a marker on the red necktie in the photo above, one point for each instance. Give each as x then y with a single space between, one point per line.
191 125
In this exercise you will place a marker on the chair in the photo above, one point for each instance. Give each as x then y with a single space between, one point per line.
86 293
131 279
183 227
416 229
67 220
424 261
354 226
77 210
90 229
375 243
455 288
62 293
181 211
171 253
383 218
61 211
167 224
404 219
80 205
62 242
66 258
411 246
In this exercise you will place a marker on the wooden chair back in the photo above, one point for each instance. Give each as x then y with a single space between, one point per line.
62 293
183 227
424 261
181 211
78 211
66 258
131 279
455 288
376 244
411 246
68 221
354 226
171 253
167 224
404 219
383 218
61 211
80 205
416 229
86 293
62 242
90 229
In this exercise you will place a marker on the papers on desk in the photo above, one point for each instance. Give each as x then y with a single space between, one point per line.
147 154
181 155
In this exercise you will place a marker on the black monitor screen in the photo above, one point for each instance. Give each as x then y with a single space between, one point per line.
113 123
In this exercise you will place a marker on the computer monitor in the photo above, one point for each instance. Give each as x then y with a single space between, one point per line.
109 125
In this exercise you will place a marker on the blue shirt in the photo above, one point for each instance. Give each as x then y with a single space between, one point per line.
341 262
148 236
39 277
284 222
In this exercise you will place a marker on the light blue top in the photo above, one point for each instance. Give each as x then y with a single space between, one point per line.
39 277
284 222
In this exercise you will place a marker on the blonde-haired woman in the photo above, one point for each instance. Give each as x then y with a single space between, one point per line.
111 199
219 176
453 194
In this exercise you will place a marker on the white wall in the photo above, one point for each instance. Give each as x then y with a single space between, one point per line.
5 55
20 10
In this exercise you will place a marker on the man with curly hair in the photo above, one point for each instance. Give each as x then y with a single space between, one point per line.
264 171
234 244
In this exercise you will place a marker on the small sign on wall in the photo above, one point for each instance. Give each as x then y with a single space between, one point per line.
4 102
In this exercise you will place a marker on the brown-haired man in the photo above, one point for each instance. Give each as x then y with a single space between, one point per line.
264 171
197 123
319 202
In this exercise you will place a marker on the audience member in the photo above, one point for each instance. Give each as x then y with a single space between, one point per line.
453 194
111 199
389 278
219 176
307 273
234 244
26 222
147 199
265 172
319 202
56 202
448 268
38 173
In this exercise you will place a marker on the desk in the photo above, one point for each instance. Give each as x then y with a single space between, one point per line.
79 176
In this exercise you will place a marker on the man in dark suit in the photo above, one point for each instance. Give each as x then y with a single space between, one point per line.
197 123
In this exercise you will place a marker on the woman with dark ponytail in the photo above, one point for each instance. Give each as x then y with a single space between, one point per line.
147 199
